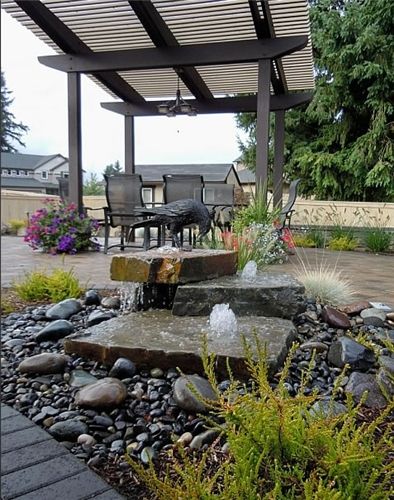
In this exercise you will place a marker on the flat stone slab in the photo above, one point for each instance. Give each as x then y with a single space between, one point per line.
159 339
175 267
268 294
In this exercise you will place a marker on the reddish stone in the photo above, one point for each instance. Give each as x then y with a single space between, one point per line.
335 318
355 307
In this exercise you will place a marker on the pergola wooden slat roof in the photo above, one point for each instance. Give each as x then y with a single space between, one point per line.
85 29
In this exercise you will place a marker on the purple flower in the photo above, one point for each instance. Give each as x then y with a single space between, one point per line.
66 243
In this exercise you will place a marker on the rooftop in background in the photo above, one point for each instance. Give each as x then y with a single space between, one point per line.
215 172
27 161
108 25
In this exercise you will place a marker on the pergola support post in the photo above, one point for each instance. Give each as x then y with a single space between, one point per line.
129 143
74 140
263 122
279 156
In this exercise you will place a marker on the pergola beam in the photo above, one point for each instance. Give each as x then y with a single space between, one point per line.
245 51
241 104
70 43
162 36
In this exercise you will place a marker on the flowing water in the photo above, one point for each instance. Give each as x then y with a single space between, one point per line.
249 272
131 295
223 322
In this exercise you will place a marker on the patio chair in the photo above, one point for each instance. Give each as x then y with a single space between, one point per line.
287 211
180 187
124 193
63 188
220 197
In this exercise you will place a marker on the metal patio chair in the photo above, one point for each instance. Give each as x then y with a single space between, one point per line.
181 187
63 188
124 193
287 211
219 196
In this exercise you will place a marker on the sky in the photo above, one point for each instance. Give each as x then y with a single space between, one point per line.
40 102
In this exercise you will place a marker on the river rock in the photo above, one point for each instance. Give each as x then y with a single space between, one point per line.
385 381
44 363
107 392
97 317
347 351
359 383
314 345
111 302
80 378
123 368
54 331
335 318
327 408
373 316
387 363
64 309
92 298
187 399
68 430
206 437
354 307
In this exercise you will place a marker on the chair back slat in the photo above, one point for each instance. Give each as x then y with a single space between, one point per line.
179 187
123 193
219 193
292 196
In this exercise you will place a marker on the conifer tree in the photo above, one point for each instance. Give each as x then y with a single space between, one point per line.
11 131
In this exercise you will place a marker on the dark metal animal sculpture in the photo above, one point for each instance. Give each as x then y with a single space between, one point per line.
176 215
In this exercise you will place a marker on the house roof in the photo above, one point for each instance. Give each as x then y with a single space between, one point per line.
25 182
86 27
214 172
246 176
25 161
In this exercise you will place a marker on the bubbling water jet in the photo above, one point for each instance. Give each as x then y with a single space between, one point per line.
249 272
223 322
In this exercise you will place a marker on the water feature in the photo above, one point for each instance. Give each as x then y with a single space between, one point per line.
131 296
249 272
222 322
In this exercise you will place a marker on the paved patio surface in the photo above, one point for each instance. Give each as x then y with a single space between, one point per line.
35 466
372 275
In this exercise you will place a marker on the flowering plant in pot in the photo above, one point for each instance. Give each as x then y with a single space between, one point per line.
59 228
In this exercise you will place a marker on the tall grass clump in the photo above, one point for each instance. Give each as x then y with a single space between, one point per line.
325 284
55 286
377 237
278 448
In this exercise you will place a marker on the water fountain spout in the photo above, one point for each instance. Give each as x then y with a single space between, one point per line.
249 272
223 322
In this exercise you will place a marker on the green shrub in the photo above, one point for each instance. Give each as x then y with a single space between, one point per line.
377 240
15 225
318 236
278 449
259 211
57 286
304 241
342 243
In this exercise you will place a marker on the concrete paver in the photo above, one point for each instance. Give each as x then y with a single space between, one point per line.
35 466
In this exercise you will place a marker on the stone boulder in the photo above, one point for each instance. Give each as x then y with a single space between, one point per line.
347 351
373 316
106 393
354 308
190 392
45 363
123 368
335 318
92 298
68 430
54 331
64 309
97 317
359 383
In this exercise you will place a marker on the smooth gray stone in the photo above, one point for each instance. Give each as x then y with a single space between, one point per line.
387 363
92 298
80 378
269 294
123 368
385 381
54 331
64 309
206 437
347 351
190 391
373 316
107 392
68 430
44 363
326 408
111 302
97 317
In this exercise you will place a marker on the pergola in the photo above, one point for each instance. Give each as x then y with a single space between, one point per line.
230 56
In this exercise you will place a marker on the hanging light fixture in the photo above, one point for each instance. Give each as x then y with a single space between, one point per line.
177 107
